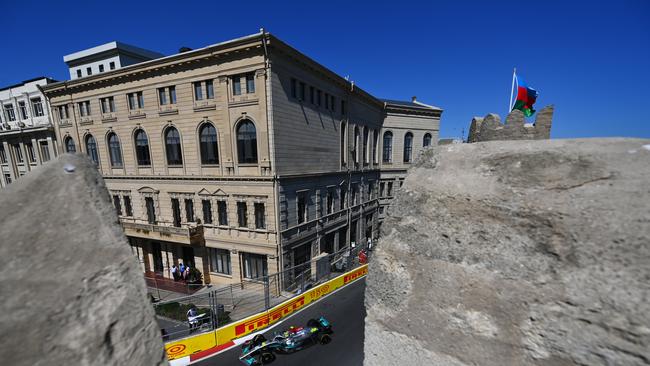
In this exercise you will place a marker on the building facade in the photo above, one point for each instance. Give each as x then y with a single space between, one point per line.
106 57
27 136
242 158
408 128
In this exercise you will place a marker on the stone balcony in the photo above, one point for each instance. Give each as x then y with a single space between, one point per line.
190 235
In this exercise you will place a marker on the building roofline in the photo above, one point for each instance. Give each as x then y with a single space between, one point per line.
151 63
48 80
114 45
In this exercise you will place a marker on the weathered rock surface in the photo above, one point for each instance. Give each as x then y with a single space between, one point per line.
516 253
72 292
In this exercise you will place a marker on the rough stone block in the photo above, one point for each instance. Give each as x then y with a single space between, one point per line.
72 292
516 253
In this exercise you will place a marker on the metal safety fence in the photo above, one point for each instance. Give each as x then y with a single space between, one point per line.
210 308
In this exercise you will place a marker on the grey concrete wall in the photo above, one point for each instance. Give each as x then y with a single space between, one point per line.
72 291
516 253
490 128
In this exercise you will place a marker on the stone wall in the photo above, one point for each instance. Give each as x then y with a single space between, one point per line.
516 253
490 128
72 292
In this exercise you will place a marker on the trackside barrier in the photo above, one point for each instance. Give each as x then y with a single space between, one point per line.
204 344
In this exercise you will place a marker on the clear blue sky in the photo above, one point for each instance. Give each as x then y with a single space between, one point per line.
589 58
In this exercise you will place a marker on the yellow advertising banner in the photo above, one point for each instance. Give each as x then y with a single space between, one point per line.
240 328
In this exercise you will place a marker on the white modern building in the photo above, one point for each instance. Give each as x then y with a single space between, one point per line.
106 57
27 137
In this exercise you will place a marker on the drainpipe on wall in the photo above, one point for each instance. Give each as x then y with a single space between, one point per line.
269 119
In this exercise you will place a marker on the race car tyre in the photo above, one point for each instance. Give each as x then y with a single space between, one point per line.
267 357
258 339
325 339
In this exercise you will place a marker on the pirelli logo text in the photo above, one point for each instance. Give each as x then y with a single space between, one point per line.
356 274
263 320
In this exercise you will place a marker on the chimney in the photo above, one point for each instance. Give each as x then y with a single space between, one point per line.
413 99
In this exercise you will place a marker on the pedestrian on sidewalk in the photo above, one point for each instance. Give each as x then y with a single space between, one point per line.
186 274
181 267
174 272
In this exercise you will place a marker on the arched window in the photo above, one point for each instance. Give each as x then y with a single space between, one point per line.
69 145
91 148
246 142
426 141
387 153
408 147
115 151
173 147
365 145
343 145
142 148
356 144
208 142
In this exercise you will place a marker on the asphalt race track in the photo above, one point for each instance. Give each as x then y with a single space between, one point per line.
344 309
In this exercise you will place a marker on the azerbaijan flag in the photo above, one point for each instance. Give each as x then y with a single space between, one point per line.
526 97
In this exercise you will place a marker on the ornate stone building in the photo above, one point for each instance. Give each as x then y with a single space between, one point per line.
241 158
27 137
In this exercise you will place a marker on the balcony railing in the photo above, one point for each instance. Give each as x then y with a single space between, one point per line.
184 234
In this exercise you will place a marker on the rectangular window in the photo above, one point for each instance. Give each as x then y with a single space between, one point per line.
176 212
207 211
236 85
220 261
8 178
371 189
151 210
302 91
389 189
3 155
162 96
311 94
45 151
9 112
18 153
23 110
78 73
101 68
189 210
301 212
260 222
30 153
37 106
136 101
319 98
355 193
250 83
117 204
198 91
107 104
242 214
382 186
342 204
89 71
128 208
84 108
327 101
343 107
222 211
209 89
172 94
111 65
333 103
294 93
254 265
330 201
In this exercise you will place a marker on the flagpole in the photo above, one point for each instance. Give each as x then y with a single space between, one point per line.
512 88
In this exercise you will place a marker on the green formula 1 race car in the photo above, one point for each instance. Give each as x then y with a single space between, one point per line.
259 350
